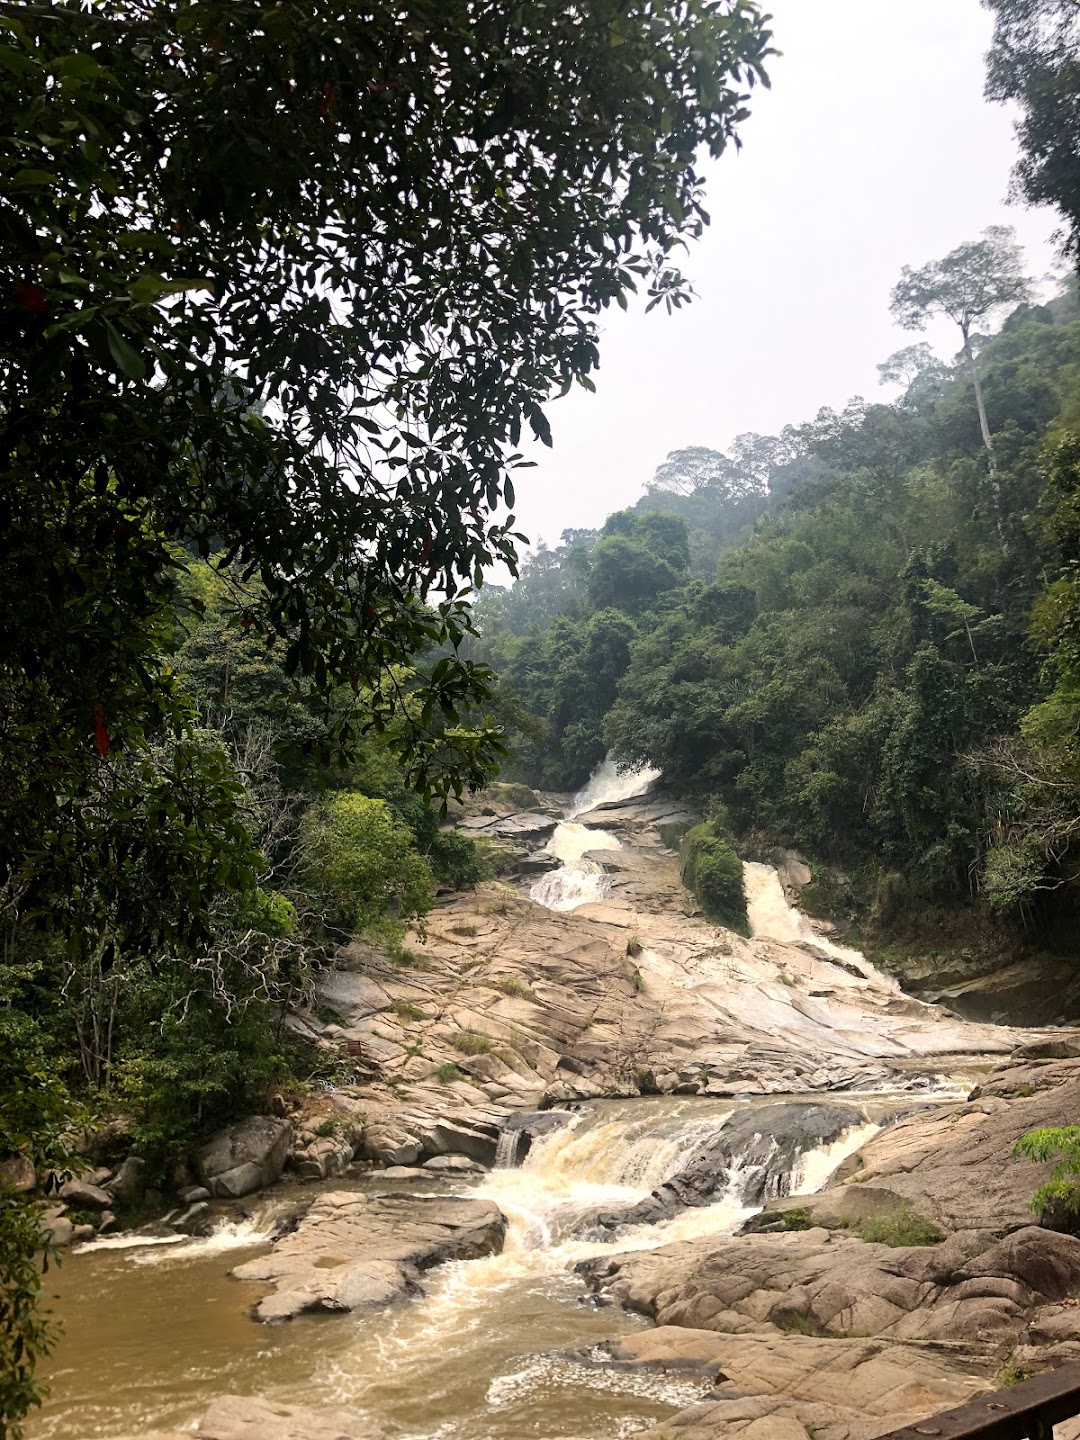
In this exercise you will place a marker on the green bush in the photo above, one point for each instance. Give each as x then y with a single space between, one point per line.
902 1226
362 861
1060 1196
471 1042
714 873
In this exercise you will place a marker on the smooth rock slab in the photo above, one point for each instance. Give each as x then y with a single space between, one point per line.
362 1252
773 1388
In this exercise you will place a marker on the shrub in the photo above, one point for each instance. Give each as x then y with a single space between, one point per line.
510 986
1059 1198
633 947
714 873
362 861
447 1072
471 1042
406 1010
902 1226
798 1218
463 927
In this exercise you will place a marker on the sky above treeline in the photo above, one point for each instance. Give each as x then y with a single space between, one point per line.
873 149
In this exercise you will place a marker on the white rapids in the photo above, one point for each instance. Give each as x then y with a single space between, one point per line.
580 880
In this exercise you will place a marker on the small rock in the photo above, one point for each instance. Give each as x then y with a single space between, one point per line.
457 1164
195 1220
193 1193
84 1195
402 1172
101 1176
108 1223
82 1233
59 1230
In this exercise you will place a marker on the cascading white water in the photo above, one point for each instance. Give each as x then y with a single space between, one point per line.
596 1162
607 785
772 917
579 880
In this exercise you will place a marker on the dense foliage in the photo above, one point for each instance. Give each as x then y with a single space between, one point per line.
282 286
711 868
862 675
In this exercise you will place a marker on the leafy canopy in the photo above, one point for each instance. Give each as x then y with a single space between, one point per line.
972 283
285 282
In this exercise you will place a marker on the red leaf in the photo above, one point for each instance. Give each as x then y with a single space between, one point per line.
29 297
101 735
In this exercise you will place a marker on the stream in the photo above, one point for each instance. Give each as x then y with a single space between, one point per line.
153 1330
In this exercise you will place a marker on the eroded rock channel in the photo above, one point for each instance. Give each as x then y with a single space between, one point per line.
616 1171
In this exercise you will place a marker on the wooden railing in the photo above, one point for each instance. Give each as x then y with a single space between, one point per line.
1028 1411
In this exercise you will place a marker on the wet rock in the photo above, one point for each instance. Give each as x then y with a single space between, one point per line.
81 1233
128 1185
245 1157
768 1388
454 1165
404 1172
196 1219
108 1223
193 1193
59 1230
17 1173
85 1196
971 1288
357 1252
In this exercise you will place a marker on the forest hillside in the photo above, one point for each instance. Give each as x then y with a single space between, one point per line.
856 637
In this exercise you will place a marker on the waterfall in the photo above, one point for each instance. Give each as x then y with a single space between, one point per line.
771 917
607 785
579 880
613 1157
506 1149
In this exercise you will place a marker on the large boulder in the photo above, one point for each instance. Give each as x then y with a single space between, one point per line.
85 1196
128 1185
245 1157
17 1173
971 1288
791 1386
353 1251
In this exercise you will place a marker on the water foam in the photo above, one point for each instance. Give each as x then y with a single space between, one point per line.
607 785
771 917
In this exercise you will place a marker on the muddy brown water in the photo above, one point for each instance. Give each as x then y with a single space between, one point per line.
151 1333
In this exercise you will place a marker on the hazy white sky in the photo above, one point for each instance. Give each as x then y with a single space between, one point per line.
873 149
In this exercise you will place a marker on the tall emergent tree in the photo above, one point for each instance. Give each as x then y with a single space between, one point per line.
1035 61
970 285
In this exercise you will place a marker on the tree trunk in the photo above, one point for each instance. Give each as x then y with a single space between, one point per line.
984 423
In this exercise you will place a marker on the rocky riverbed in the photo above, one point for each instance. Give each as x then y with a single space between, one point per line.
621 1101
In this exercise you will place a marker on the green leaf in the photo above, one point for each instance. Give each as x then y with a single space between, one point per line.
127 358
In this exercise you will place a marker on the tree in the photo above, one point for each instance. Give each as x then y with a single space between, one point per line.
972 283
363 862
1033 63
285 283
